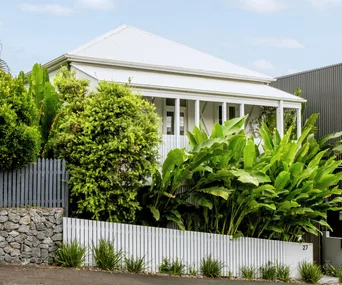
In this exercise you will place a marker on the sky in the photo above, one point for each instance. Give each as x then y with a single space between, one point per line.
274 37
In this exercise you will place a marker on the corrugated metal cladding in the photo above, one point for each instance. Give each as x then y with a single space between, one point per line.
323 90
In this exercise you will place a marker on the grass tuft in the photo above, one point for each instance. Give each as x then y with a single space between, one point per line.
283 272
135 265
310 272
248 272
105 255
339 273
211 267
70 255
174 267
329 269
192 271
269 271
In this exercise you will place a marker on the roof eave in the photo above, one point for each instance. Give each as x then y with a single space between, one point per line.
54 64
169 69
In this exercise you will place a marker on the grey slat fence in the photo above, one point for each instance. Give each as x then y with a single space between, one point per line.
42 184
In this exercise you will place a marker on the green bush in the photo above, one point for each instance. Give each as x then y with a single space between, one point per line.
248 272
283 272
19 134
70 255
110 140
135 265
211 267
269 271
174 267
310 272
106 257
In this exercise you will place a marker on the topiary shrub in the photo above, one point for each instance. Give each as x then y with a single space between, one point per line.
19 134
110 140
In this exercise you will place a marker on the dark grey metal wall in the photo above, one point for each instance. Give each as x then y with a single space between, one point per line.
323 90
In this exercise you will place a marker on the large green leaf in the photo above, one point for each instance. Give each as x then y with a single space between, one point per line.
217 191
155 212
174 158
249 154
233 125
282 180
245 177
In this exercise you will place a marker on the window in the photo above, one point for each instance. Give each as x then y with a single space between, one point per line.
231 113
169 119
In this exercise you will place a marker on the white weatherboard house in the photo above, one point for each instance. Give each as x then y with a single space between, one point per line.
188 87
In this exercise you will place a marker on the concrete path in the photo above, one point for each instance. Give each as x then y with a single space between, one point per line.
29 275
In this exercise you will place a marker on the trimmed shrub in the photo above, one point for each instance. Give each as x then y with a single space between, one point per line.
19 134
110 140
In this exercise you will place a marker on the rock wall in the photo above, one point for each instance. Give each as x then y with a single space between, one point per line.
29 235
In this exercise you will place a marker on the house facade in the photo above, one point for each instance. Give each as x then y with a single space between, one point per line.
188 87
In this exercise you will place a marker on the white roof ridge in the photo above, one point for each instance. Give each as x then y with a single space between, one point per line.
98 39
186 57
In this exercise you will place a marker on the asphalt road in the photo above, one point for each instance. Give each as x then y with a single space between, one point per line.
30 275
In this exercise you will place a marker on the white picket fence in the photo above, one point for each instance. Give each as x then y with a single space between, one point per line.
189 247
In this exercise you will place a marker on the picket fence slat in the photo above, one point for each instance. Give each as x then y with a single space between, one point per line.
42 184
154 244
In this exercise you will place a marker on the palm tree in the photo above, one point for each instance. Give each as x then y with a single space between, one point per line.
3 65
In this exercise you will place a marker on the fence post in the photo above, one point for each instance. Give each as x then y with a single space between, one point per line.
66 195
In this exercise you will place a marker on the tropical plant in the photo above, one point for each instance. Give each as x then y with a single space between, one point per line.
47 102
70 254
211 267
135 265
310 272
232 188
105 255
268 271
110 140
3 65
283 272
174 267
19 134
248 272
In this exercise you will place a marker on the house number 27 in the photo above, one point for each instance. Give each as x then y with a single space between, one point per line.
305 247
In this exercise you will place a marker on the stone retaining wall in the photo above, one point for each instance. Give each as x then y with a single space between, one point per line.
29 235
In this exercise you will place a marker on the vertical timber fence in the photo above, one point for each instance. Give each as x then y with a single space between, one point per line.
154 244
42 184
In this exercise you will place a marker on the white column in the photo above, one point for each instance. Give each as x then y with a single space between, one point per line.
197 113
177 121
242 113
224 112
299 122
280 118
242 110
